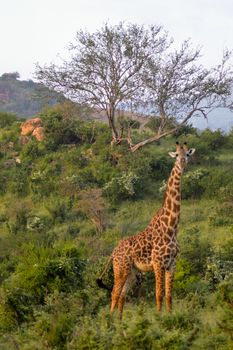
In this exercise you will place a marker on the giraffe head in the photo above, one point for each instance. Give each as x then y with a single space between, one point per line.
182 154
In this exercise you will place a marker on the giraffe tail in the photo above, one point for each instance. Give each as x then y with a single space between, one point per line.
99 280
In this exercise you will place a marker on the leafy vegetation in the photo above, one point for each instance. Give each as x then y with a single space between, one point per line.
65 206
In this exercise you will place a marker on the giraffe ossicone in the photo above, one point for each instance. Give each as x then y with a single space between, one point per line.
156 247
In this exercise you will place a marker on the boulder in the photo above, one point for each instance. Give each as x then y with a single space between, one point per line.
39 133
30 125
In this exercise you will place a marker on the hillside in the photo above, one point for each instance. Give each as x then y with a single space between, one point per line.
64 205
24 98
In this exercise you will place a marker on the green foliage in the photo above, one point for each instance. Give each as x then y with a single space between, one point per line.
60 130
215 182
213 139
155 122
7 119
16 307
217 270
185 279
40 272
32 150
125 123
142 330
51 252
192 186
195 250
121 187
60 211
222 215
226 322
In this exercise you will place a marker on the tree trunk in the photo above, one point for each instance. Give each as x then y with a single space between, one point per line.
111 120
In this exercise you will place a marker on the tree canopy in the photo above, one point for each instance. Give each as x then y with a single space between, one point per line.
133 68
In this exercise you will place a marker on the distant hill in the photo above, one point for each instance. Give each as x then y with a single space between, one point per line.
24 98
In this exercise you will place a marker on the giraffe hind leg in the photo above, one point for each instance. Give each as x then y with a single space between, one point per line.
159 281
169 278
121 273
119 282
129 283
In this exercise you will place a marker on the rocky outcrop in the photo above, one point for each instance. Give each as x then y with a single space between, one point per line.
39 133
30 125
33 127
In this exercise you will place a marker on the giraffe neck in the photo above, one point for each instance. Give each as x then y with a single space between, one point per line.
172 197
168 216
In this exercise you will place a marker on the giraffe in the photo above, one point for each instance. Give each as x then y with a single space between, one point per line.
153 249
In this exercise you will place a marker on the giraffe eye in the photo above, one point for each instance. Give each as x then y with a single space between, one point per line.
176 154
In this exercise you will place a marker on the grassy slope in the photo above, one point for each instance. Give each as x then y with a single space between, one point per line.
192 324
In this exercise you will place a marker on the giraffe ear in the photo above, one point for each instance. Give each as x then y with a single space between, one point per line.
172 154
191 151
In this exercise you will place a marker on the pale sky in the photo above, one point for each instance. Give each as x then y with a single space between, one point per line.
38 30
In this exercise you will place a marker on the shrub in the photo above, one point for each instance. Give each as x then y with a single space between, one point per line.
215 181
41 270
15 307
32 150
217 270
7 119
43 179
191 184
121 187
195 251
184 277
18 180
126 123
222 215
214 139
60 211
58 130
160 167
94 207
225 324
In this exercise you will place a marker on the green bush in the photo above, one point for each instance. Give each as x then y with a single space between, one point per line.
195 251
192 186
58 130
214 139
225 324
140 329
32 150
121 187
16 307
215 181
222 215
185 279
217 270
42 270
60 211
18 180
7 119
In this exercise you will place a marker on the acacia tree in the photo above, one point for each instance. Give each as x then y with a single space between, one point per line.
105 68
134 66
178 89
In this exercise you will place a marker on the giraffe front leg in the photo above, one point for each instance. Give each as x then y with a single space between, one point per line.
159 282
169 278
